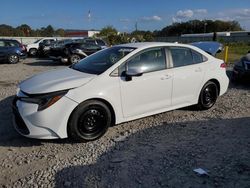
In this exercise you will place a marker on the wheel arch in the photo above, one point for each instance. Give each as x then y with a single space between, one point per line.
217 84
113 116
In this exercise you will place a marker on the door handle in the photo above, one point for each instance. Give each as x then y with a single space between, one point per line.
165 77
198 70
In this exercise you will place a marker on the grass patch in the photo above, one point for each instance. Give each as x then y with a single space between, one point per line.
235 51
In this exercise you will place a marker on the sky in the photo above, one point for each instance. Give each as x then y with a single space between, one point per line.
123 15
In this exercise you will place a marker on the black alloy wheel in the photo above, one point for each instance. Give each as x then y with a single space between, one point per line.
208 96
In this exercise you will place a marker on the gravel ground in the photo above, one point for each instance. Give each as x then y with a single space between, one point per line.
157 151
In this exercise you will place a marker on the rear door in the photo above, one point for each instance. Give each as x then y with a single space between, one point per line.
188 74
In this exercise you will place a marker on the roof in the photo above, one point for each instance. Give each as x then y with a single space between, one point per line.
142 45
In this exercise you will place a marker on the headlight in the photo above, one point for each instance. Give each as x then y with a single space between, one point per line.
44 100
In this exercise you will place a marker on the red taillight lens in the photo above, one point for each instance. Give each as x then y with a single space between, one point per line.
23 47
223 65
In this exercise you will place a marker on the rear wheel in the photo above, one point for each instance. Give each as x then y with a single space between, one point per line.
33 52
13 59
208 96
89 121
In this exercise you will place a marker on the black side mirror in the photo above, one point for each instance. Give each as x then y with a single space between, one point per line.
132 73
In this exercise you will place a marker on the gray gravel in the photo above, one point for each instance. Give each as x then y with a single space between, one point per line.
157 151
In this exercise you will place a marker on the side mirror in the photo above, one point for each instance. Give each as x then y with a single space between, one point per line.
132 73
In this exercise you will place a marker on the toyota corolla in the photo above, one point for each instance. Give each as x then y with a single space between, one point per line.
115 85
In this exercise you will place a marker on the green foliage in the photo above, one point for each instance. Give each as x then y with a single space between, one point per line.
198 26
26 31
107 31
235 51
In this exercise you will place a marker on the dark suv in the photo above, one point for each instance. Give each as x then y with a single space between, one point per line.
12 51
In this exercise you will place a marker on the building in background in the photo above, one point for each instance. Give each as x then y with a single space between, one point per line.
80 33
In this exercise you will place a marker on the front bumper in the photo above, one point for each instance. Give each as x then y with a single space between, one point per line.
50 123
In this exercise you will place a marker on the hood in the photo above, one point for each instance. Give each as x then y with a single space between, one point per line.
55 80
210 47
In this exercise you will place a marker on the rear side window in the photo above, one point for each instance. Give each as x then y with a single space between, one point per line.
198 58
184 56
11 43
181 56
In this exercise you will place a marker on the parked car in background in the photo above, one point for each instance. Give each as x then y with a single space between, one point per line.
72 52
241 68
115 85
78 51
12 51
44 48
97 41
33 48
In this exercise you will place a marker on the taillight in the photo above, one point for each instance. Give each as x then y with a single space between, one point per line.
23 47
223 65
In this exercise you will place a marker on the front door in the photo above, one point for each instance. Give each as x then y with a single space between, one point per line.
152 90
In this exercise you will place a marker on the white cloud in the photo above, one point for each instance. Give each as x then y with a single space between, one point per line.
235 14
152 18
188 14
182 14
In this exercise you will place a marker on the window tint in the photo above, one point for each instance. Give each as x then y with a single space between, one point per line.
148 61
198 58
181 56
90 41
100 42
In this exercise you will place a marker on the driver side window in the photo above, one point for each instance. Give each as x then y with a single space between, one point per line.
148 61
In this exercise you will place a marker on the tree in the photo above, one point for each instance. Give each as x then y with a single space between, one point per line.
198 26
107 31
23 30
60 32
6 30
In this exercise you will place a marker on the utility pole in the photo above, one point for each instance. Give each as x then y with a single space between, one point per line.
136 26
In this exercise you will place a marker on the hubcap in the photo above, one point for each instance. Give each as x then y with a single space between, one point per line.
75 59
13 58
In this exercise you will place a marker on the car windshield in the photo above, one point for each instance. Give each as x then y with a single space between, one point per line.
101 61
37 40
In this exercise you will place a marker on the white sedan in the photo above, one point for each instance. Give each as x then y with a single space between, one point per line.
115 85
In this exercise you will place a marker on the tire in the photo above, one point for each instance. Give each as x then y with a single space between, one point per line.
89 121
33 52
13 59
208 96
74 58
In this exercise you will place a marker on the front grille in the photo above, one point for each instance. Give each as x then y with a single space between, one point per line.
20 125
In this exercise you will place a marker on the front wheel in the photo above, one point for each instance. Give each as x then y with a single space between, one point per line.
13 59
74 58
89 121
208 96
